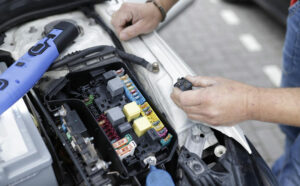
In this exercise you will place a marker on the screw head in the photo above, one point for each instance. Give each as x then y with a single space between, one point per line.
155 67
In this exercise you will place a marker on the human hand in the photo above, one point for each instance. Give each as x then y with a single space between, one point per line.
219 101
133 19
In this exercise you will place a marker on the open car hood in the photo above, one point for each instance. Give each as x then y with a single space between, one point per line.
151 47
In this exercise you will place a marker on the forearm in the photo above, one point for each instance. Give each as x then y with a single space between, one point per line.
167 4
280 105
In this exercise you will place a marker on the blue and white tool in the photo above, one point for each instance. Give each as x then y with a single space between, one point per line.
22 75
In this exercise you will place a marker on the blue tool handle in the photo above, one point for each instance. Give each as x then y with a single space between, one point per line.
23 74
159 177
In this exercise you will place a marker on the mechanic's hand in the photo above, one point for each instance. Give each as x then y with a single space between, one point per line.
218 102
133 19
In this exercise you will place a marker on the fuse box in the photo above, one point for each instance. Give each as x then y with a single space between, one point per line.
108 123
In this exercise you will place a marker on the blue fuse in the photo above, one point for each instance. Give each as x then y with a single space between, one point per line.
129 95
131 91
64 127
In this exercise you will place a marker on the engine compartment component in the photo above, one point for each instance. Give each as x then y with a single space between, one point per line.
90 148
94 145
108 122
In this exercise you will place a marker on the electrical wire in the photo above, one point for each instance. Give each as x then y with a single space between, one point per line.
90 12
100 51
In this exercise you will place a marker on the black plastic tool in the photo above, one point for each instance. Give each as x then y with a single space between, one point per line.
183 84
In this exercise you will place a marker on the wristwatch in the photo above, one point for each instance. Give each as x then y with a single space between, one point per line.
160 8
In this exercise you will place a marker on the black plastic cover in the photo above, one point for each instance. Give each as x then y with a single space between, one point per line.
236 167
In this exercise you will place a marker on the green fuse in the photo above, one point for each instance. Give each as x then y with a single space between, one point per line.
90 100
69 136
166 140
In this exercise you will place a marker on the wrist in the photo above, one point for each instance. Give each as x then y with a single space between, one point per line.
253 103
156 14
159 7
166 4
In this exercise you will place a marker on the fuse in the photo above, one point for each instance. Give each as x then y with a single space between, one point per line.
148 112
144 105
108 128
69 136
126 81
124 77
159 127
156 123
73 145
113 141
122 142
163 132
167 140
101 122
146 109
127 150
120 71
130 88
89 100
64 127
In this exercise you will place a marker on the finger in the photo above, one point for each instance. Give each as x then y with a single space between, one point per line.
132 31
120 19
202 119
176 96
201 81
196 117
192 97
192 109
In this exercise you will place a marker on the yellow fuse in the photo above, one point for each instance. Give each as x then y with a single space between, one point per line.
145 105
152 117
131 111
141 125
159 126
124 77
